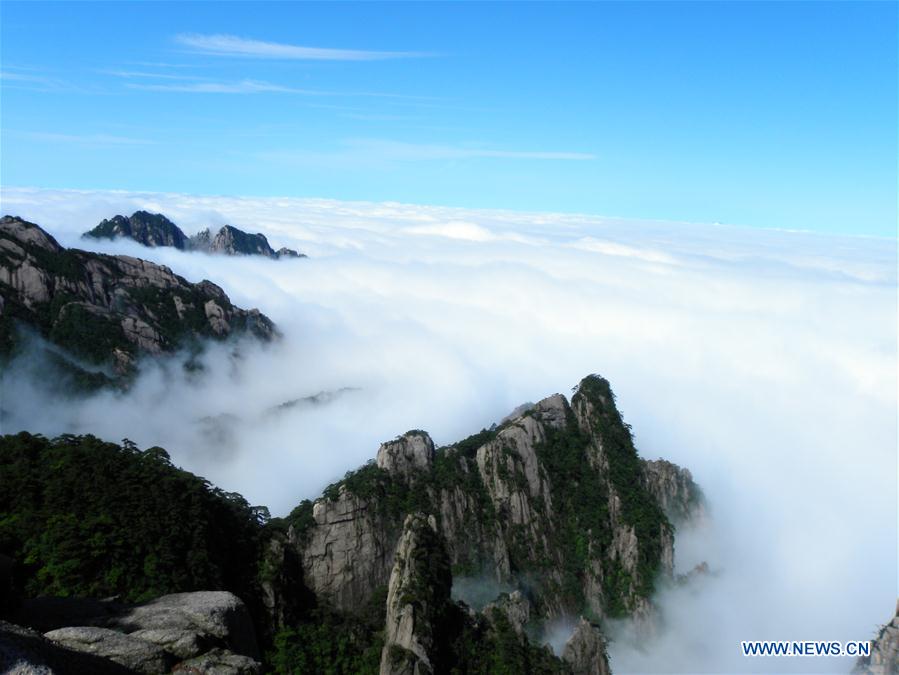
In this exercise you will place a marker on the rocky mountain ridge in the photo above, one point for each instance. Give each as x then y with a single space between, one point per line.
107 310
154 229
556 494
554 504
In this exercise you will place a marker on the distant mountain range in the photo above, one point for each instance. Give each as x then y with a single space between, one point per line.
154 229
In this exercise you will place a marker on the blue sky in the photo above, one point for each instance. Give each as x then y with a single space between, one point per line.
763 114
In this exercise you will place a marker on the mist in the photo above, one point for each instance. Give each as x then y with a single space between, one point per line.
762 360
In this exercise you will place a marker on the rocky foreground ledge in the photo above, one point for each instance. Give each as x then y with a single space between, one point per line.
203 632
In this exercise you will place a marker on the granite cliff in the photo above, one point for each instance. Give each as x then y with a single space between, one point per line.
554 501
107 310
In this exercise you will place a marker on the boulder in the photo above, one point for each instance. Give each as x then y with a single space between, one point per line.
216 616
131 652
26 652
219 662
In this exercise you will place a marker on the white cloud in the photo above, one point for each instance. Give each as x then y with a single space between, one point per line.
143 74
765 361
232 45
82 139
17 79
454 230
355 153
239 87
398 150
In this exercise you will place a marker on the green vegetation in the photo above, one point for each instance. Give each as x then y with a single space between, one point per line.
83 517
329 643
639 509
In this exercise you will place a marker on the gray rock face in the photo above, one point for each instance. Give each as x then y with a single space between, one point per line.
216 616
26 652
149 229
285 252
515 607
230 240
585 650
349 552
178 642
417 595
219 662
674 489
884 657
204 629
127 651
598 419
501 509
110 309
406 456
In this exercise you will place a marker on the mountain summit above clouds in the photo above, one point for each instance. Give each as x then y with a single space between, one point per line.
154 229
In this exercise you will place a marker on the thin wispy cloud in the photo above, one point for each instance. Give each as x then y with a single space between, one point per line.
32 82
414 152
193 85
82 139
141 74
239 87
370 152
232 45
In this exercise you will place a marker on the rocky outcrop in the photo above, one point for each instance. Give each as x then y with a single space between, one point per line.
201 617
231 241
285 252
417 596
554 501
518 486
108 310
149 229
154 229
639 546
219 662
349 550
585 650
131 652
410 453
515 607
674 490
181 630
884 656
27 652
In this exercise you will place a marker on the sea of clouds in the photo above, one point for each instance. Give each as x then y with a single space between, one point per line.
763 360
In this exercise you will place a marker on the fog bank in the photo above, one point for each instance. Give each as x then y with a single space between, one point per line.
763 360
